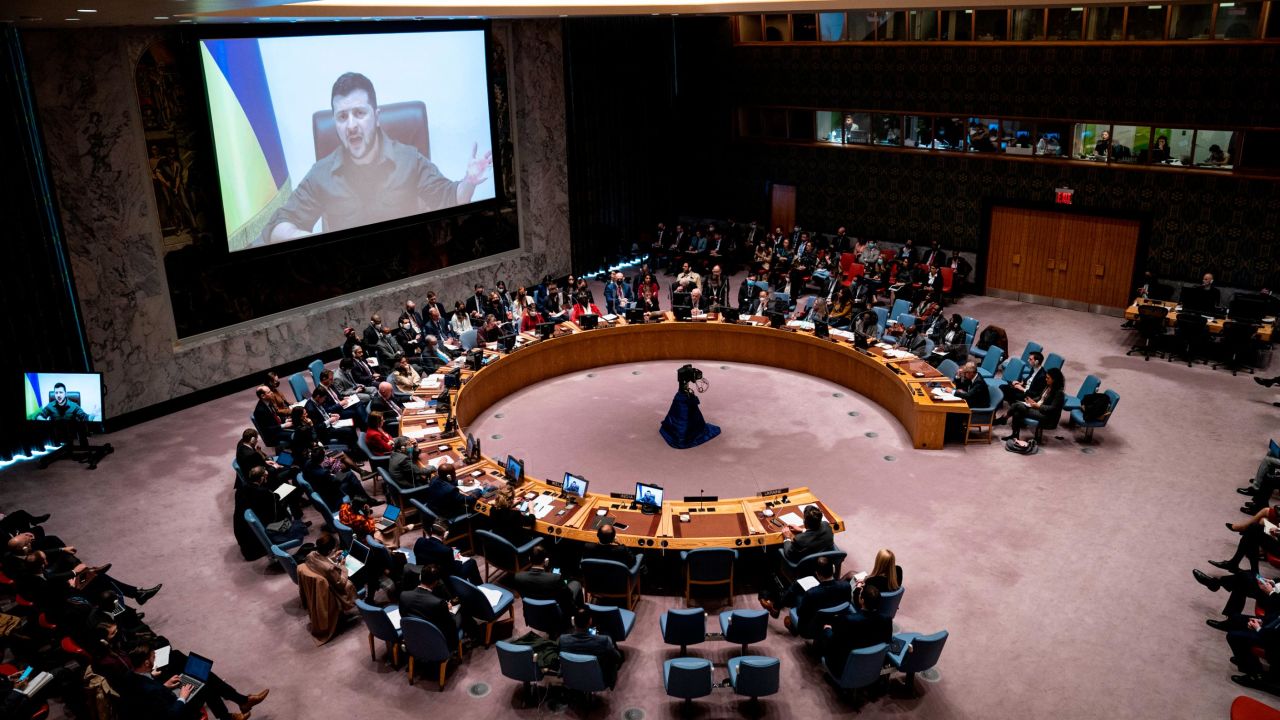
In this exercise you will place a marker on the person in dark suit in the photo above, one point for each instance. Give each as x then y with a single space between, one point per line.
539 583
478 304
1241 585
437 326
266 420
934 255
330 481
412 315
428 602
913 340
1244 636
582 642
856 629
1046 409
402 466
506 518
371 335
148 692
250 456
443 496
817 536
389 405
608 548
971 387
1033 386
432 549
827 593
361 372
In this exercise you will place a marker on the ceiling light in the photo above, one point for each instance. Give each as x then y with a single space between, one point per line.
160 17
72 19
87 11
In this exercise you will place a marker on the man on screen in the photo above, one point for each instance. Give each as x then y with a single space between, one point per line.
61 408
371 177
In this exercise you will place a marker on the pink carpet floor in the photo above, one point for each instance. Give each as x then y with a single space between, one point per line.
1064 578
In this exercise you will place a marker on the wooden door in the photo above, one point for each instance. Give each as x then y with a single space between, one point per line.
1007 250
782 204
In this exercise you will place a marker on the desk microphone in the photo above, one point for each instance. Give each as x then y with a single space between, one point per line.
701 500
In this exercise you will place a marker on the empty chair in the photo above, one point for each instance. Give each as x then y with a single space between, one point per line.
949 368
861 668
684 627
889 602
1053 360
581 673
380 626
260 532
518 663
468 339
544 616
754 676
983 418
286 561
499 552
708 566
298 382
424 641
805 565
744 627
477 605
612 579
882 317
970 327
1238 346
1152 320
612 621
397 495
1078 419
1013 370
991 362
316 367
1190 338
1246 708
687 678
900 307
1088 387
917 654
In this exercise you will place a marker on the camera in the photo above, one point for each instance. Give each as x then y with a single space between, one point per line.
688 374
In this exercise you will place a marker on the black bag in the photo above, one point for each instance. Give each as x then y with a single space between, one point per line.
282 526
988 336
1023 447
1095 407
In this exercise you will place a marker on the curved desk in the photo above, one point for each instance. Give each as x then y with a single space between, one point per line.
892 384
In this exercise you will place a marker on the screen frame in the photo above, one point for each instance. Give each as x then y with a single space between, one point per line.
519 478
565 485
662 494
102 394
313 242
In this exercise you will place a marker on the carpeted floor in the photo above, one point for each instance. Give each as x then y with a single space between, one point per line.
1063 578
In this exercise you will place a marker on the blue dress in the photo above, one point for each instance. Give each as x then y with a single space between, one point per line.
684 427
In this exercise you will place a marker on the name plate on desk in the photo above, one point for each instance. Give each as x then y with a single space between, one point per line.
771 493
622 496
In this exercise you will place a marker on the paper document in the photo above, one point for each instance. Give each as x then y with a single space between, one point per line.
610 317
372 361
884 346
808 582
492 595
944 395
436 462
298 404
36 684
344 423
469 488
431 381
349 400
842 334
415 405
393 614
284 490
162 656
419 433
859 577
792 519
1269 526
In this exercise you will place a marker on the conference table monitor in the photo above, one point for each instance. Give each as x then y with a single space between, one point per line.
575 486
649 498
64 397
514 470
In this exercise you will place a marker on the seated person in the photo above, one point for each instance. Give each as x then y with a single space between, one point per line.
345 383
1246 634
506 519
885 575
608 548
951 342
540 583
599 646
859 627
404 377
1033 386
912 339
148 692
698 304
972 387
429 601
1046 408
443 496
431 549
387 403
648 301
61 407
762 304
582 305
490 331
841 315
404 468
323 421
330 481
829 592
265 417
1241 585
327 561
307 435
1255 539
378 440
276 516
250 456
816 537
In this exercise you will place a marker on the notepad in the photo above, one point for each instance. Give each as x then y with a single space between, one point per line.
808 583
436 462
284 490
859 577
493 596
393 614
944 396
162 656
344 423
792 519
36 684
415 405
349 400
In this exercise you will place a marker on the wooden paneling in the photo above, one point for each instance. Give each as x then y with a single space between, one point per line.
782 203
1067 257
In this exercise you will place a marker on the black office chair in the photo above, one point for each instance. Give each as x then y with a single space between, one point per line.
72 395
1238 347
1151 328
1191 337
405 122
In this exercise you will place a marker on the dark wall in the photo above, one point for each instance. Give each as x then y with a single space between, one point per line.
37 293
1199 221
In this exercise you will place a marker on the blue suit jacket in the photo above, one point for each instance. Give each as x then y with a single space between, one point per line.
611 296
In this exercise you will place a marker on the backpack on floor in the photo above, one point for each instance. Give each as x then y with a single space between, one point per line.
1022 447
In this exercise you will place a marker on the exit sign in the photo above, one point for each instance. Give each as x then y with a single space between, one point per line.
1062 196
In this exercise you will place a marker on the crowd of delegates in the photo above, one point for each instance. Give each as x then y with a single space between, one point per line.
1253 637
66 605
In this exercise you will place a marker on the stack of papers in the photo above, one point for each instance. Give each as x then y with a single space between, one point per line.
807 582
432 382
415 405
284 490
792 519
898 354
36 684
610 317
842 334
802 324
436 462
344 423
349 400
393 614
419 433
492 595
944 395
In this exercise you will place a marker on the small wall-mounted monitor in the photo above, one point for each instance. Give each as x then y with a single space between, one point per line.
63 396
649 496
575 485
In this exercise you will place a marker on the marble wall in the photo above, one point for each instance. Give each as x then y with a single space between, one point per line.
84 88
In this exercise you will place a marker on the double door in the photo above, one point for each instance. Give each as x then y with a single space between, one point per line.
1082 262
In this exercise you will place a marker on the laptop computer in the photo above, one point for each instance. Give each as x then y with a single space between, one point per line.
195 674
388 520
356 557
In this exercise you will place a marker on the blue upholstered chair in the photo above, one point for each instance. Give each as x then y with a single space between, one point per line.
615 622
544 616
518 663
477 606
1088 387
1077 417
582 673
861 669
882 318
991 362
468 339
1026 355
1013 370
684 627
298 383
459 525
260 532
380 626
918 653
687 678
754 676
708 566
375 461
397 495
316 367
949 368
502 554
805 566
330 520
983 418
286 561
889 602
1053 360
821 618
744 627
612 579
970 327
424 641
900 307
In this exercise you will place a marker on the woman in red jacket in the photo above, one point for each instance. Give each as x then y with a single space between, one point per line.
378 440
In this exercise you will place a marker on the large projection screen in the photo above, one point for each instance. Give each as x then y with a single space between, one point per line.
302 148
